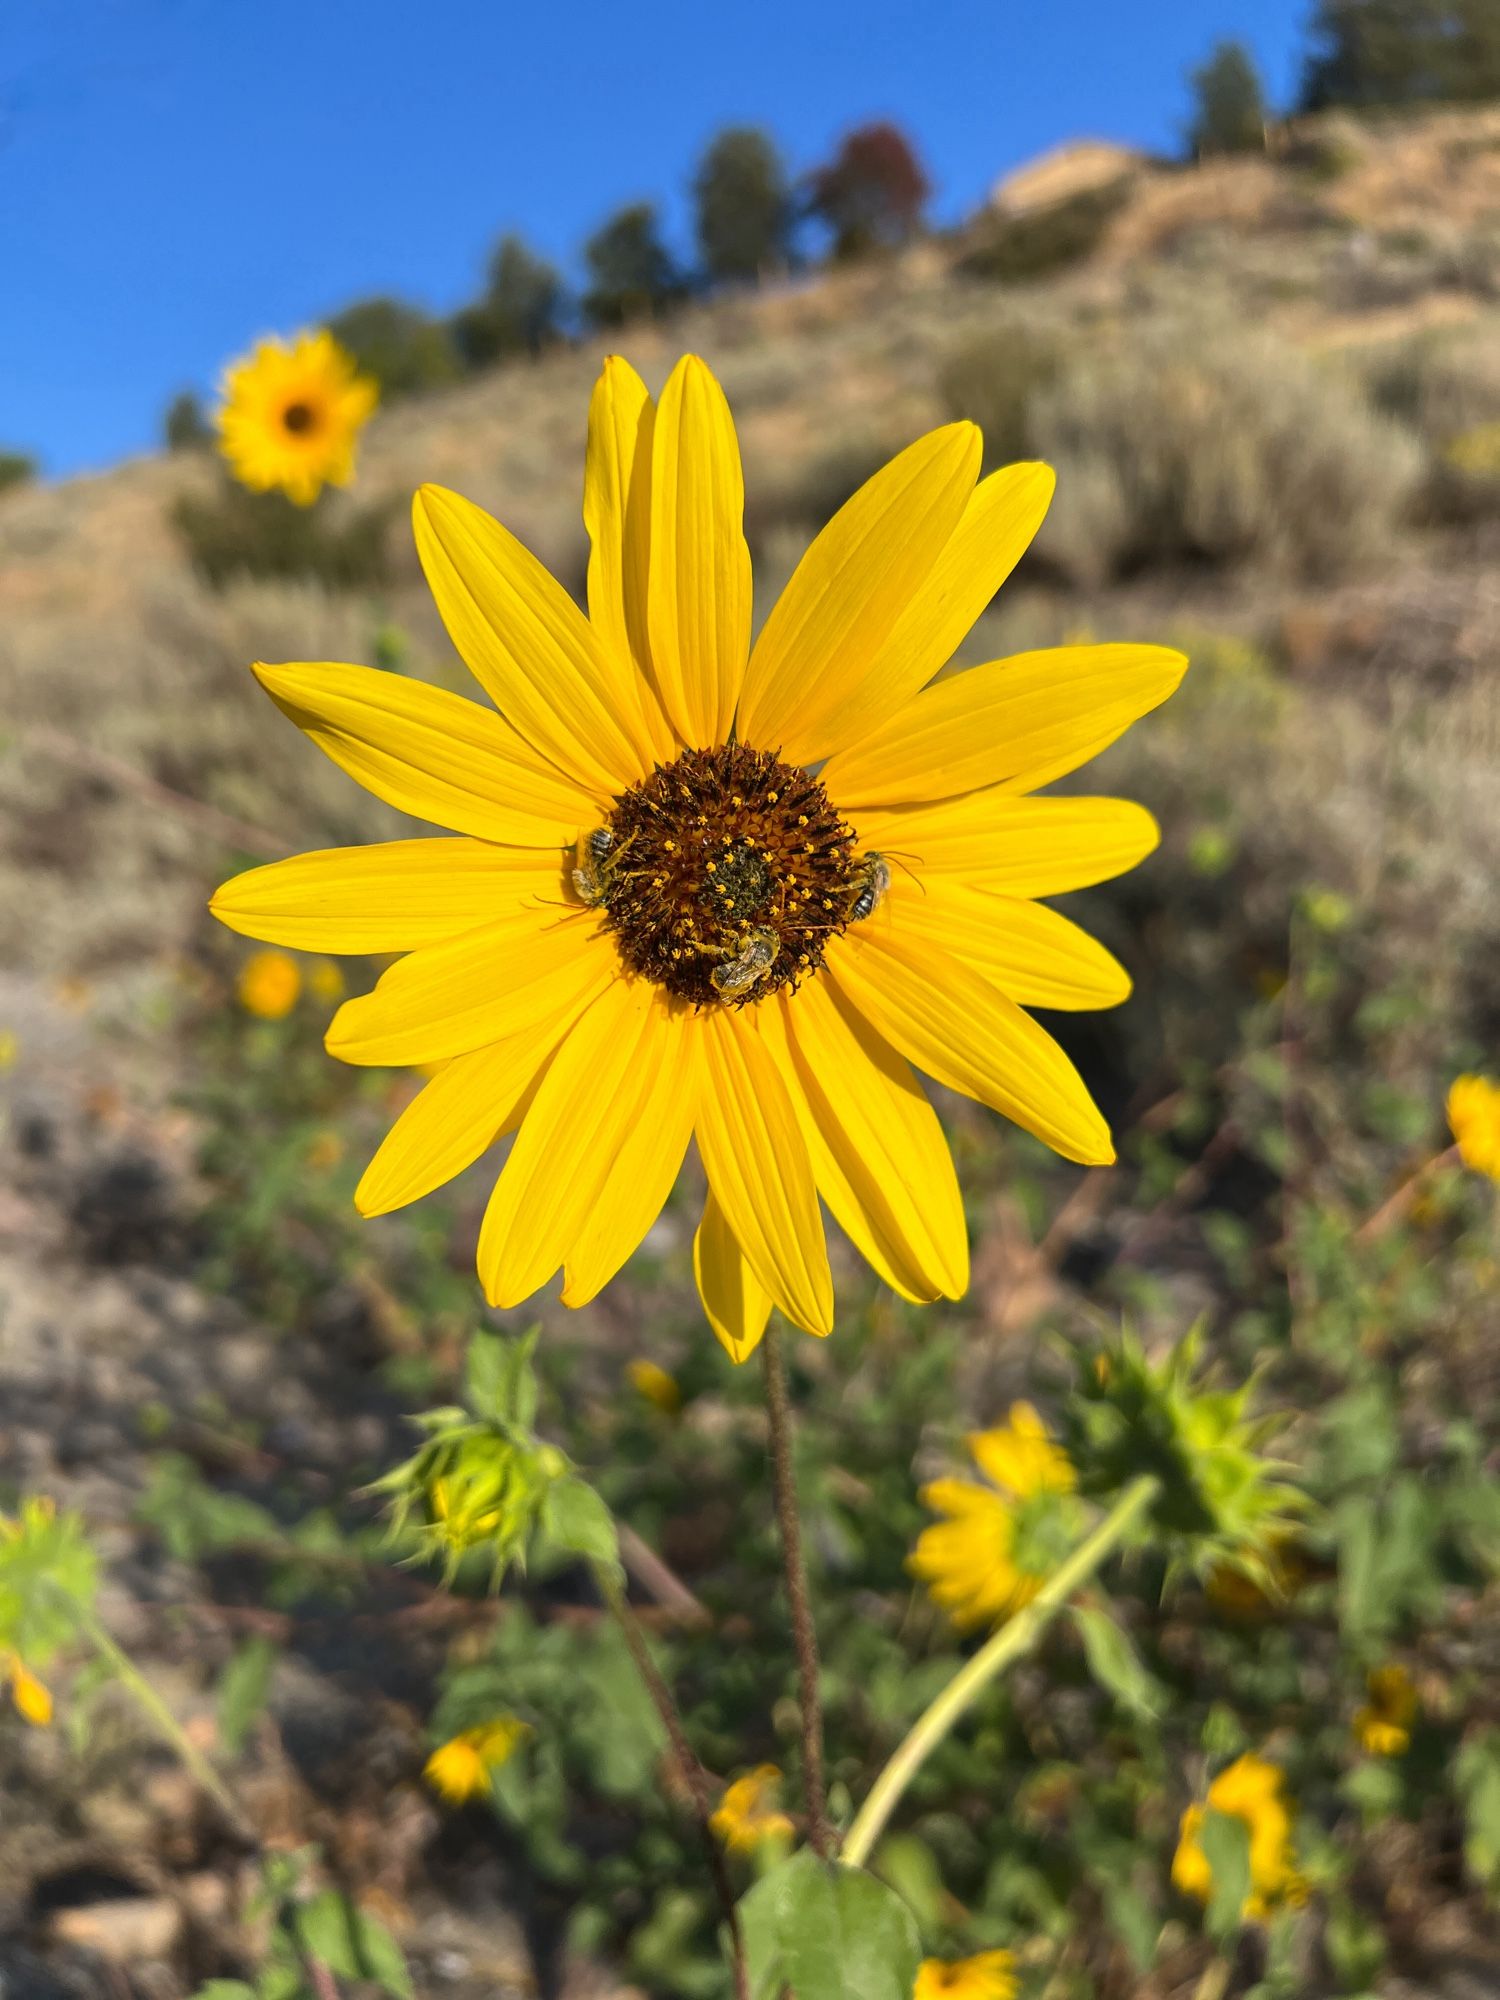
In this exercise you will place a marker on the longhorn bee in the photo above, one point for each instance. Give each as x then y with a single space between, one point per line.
757 954
593 863
871 883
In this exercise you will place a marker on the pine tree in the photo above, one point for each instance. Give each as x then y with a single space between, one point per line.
1230 105
632 274
520 311
743 206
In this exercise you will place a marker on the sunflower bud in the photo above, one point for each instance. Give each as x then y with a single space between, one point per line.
1223 1504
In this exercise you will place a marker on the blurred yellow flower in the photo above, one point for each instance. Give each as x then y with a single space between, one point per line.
1474 1116
1249 1789
31 1698
656 1385
326 982
1476 451
325 1151
715 892
1383 1726
291 416
269 985
460 1768
988 1975
747 1817
1000 1542
10 1049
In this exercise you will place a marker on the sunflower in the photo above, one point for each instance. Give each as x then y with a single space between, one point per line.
988 1975
1251 1791
291 415
747 1816
707 892
1474 1119
1001 1541
1383 1726
460 1769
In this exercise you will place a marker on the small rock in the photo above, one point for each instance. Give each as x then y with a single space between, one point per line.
125 1931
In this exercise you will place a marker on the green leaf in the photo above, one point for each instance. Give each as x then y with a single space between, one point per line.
1225 1840
830 1933
1477 1771
1116 1666
243 1688
351 1944
225 1989
499 1379
577 1520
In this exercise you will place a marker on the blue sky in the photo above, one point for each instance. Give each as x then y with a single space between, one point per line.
177 176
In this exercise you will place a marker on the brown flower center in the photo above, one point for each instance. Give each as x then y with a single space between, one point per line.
299 418
723 875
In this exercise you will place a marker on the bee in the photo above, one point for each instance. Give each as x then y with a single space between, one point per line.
593 864
871 883
749 965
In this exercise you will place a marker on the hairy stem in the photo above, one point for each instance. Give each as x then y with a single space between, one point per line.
1012 1640
804 1636
129 1675
693 1774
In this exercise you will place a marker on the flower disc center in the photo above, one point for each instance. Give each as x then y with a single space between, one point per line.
723 875
299 418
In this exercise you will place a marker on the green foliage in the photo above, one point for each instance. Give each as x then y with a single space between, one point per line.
243 1689
1200 443
17 468
631 273
242 534
1017 249
520 310
871 194
742 206
1229 113
404 348
993 379
49 1575
829 1933
186 427
1402 52
315 1937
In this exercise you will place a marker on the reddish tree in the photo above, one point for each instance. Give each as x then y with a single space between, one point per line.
872 192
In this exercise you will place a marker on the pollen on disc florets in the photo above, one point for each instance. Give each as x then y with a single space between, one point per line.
724 875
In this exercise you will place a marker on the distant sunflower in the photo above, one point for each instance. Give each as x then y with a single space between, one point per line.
999 1542
704 891
460 1769
291 416
988 1975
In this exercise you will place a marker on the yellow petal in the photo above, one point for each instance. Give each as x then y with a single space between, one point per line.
1016 846
1039 958
699 592
431 753
454 1118
511 977
878 1153
1022 721
997 525
736 1303
577 1122
530 647
758 1167
964 1032
617 515
391 896
848 592
646 1160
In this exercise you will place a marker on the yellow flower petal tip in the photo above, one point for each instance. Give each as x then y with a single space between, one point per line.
460 1769
988 1975
1382 1727
701 892
291 416
33 1701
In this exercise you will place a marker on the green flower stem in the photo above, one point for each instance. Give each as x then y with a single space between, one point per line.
1013 1639
129 1675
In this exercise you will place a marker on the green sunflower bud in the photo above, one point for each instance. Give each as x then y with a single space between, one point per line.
1224 1502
